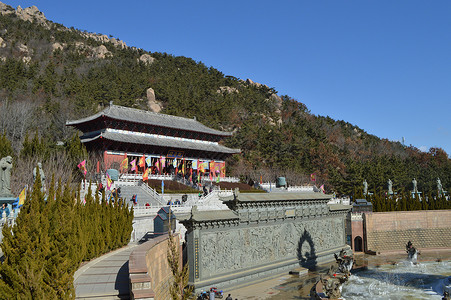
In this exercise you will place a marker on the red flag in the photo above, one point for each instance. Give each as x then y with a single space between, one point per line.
124 165
142 161
146 175
313 177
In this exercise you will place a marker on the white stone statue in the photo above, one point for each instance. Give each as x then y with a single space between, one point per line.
365 187
439 187
390 187
6 164
41 174
415 188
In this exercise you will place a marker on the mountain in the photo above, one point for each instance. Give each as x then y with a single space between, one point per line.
50 73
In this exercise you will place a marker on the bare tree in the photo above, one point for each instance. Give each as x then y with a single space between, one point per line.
15 119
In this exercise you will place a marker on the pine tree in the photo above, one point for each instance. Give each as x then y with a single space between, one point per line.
179 288
62 262
26 248
5 146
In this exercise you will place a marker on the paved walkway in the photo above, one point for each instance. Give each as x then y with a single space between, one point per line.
105 277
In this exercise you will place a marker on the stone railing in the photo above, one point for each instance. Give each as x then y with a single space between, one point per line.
221 179
153 193
302 188
149 270
143 210
344 201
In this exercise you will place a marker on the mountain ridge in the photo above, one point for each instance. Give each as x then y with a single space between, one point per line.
50 73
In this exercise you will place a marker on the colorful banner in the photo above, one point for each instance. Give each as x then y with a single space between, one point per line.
313 177
82 167
146 175
194 164
109 182
223 170
217 168
133 164
149 161
124 165
142 161
22 196
322 189
202 167
157 165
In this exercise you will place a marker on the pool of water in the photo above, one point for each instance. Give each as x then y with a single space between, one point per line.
403 280
381 277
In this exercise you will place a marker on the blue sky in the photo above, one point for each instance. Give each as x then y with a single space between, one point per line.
384 66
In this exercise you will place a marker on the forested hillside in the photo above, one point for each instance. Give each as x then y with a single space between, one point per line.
50 74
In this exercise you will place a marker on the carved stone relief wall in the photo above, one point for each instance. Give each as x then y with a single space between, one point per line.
223 250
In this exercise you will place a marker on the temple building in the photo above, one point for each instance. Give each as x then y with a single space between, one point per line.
168 144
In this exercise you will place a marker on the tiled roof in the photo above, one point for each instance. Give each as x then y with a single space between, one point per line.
257 197
208 215
150 118
161 141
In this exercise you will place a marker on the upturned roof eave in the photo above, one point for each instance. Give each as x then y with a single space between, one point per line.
222 149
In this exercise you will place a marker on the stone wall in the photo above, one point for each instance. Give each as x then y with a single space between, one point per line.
390 231
226 251
149 271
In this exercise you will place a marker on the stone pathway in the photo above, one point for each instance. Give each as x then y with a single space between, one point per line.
105 277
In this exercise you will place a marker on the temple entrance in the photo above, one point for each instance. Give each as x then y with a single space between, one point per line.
358 244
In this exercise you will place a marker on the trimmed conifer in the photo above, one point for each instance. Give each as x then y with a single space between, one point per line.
26 247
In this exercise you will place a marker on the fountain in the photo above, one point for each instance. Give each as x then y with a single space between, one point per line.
412 252
344 262
406 279
330 285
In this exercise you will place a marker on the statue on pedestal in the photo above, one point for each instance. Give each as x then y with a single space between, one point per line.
41 174
390 187
6 164
415 188
365 187
439 187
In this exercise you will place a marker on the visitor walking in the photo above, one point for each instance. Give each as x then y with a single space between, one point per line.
4 210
